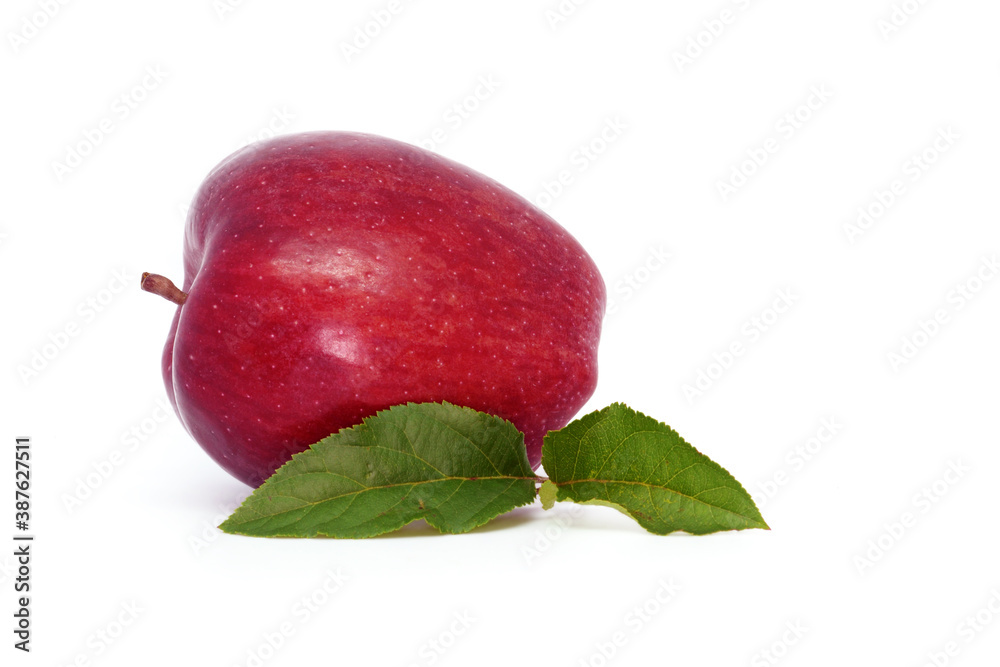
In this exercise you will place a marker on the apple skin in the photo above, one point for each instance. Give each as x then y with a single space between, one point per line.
330 275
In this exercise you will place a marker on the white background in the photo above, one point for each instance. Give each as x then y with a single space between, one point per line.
839 566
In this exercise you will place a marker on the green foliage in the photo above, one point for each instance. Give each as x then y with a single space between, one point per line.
622 458
453 467
457 469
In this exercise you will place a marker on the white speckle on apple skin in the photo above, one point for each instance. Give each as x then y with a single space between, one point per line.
525 315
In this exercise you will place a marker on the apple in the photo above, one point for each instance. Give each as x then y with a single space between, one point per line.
330 275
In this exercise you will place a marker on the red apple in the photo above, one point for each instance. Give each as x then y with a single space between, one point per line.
330 275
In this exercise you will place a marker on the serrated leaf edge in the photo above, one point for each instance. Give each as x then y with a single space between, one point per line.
430 522
230 530
754 523
761 523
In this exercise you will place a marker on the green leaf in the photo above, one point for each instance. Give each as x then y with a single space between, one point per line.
451 466
547 493
621 457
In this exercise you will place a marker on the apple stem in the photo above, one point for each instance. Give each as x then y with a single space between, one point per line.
157 284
